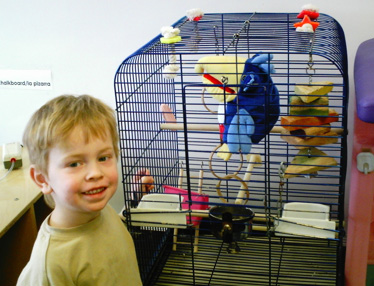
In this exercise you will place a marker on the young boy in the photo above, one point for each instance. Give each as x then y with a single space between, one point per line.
72 143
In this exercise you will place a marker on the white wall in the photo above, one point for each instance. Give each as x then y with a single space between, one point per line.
83 42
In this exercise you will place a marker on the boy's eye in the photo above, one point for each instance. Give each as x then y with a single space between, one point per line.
103 158
74 164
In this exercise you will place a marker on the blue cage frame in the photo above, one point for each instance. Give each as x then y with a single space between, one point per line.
141 86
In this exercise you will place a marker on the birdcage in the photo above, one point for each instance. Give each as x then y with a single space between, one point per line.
233 151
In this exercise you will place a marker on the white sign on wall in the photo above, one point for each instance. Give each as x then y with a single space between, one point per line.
26 79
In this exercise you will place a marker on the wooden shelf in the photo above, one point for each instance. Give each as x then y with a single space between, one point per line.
22 209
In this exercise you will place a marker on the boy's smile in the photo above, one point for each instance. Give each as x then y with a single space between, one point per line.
94 192
82 177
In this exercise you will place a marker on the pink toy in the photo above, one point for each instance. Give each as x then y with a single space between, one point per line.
199 201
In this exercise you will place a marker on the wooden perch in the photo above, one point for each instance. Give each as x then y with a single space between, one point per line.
203 127
215 127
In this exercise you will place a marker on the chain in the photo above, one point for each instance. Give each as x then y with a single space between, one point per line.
215 37
280 189
310 70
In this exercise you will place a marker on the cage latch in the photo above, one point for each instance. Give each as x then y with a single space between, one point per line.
365 162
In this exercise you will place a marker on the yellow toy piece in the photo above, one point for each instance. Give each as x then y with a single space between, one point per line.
309 161
224 152
172 40
219 70
318 107
310 92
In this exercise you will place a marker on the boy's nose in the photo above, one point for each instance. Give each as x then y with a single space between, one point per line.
94 172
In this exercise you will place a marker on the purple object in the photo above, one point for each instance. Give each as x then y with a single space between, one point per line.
364 81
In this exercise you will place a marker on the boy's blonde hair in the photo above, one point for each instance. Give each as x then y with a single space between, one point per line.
54 121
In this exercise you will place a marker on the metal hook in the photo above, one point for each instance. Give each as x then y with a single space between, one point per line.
310 59
309 152
224 79
310 70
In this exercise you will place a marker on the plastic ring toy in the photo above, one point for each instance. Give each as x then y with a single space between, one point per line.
224 177
228 177
203 101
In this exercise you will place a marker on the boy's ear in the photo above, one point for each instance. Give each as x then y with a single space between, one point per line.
40 180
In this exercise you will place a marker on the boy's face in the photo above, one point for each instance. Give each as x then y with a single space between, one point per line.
82 177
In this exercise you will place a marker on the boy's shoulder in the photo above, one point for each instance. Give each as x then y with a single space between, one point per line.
34 273
108 223
85 253
98 252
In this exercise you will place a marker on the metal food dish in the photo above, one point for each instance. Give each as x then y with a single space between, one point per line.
231 223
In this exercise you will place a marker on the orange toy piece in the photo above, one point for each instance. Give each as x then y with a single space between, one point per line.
307 20
292 123
142 184
167 113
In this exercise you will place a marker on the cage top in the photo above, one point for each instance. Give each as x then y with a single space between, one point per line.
243 33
